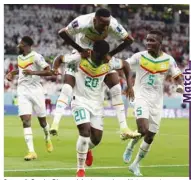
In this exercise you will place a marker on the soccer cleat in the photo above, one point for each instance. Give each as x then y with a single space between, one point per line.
54 129
30 156
135 169
127 155
80 173
89 158
127 133
49 145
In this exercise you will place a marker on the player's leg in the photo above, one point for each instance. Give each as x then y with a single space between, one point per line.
95 137
141 110
148 132
82 120
40 110
25 111
63 101
112 81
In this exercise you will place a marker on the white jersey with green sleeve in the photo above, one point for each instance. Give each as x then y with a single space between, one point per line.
89 87
150 75
82 29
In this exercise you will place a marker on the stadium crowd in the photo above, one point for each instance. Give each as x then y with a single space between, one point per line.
42 22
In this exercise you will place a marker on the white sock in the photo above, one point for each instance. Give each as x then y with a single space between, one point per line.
91 144
46 132
132 143
29 138
120 111
62 102
82 149
143 150
117 102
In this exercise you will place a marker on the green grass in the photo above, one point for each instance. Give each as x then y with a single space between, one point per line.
169 148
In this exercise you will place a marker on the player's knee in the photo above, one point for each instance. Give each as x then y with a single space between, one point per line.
96 140
149 139
26 123
69 79
42 122
84 130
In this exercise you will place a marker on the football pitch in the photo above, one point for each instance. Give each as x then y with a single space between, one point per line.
169 155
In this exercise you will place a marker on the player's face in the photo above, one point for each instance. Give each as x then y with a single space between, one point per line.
153 43
101 24
21 47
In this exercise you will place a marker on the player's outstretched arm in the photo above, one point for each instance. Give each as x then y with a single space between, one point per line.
127 42
11 75
45 72
126 70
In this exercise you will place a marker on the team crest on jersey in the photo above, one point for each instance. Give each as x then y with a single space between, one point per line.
75 24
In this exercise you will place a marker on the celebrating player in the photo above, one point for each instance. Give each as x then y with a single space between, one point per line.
151 67
30 92
87 29
87 103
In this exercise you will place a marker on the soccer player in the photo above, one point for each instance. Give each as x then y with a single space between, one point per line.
151 67
87 103
30 92
87 29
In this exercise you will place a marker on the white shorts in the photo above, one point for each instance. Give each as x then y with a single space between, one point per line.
30 99
145 110
82 115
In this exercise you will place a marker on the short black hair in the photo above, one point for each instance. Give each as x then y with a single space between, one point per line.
157 32
101 47
103 12
28 40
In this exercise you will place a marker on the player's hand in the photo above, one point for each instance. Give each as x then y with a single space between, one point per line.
55 72
180 89
9 76
130 93
108 57
27 72
85 53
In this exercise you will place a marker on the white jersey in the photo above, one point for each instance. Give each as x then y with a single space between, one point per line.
150 76
89 87
33 61
85 34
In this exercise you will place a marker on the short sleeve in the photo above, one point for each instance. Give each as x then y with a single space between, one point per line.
115 63
133 61
40 61
117 30
76 26
174 70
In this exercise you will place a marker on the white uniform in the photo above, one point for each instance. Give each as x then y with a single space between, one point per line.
87 104
150 75
30 91
82 28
